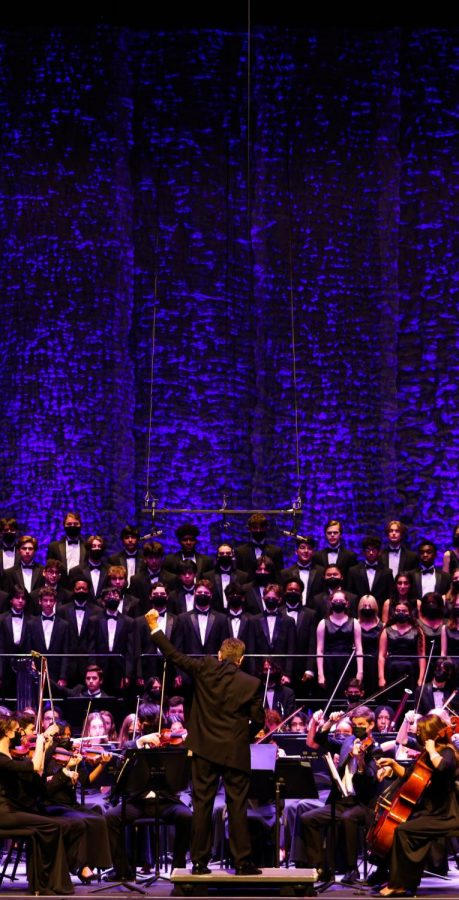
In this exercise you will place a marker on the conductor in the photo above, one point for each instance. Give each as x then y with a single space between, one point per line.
226 711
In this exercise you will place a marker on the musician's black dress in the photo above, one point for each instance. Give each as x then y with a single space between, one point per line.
47 868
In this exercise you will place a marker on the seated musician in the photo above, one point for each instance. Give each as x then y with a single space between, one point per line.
142 800
63 769
357 770
428 809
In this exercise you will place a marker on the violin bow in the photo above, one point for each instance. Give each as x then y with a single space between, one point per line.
276 727
333 695
432 645
268 672
161 705
136 719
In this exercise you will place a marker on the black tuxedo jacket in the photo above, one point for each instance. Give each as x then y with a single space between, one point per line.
57 550
315 580
84 572
177 601
4 572
247 560
79 643
283 642
172 560
14 576
148 666
357 582
7 645
58 667
236 576
283 701
408 559
247 635
442 581
226 707
140 586
120 559
188 638
346 559
254 599
305 641
427 701
116 668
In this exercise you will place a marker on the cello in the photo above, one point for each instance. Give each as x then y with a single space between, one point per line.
393 810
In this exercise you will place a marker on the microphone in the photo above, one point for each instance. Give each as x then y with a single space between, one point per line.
155 533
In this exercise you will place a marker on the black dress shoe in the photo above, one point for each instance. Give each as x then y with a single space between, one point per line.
200 869
247 868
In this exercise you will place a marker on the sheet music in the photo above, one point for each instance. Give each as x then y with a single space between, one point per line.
335 775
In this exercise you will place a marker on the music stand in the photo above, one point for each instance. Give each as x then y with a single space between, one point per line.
338 789
294 778
169 773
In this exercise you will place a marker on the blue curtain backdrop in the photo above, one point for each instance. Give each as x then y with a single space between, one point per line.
126 186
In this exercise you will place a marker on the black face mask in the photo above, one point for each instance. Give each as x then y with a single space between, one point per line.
72 531
456 540
9 538
338 606
366 612
96 554
80 598
159 604
333 582
262 577
16 740
224 562
271 604
440 675
235 604
359 732
258 536
201 602
340 738
402 617
112 605
292 599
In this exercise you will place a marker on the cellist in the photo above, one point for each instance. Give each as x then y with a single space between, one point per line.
434 812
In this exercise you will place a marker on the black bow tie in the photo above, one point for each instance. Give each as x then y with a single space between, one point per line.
131 555
370 566
17 615
271 612
111 615
429 571
48 618
304 568
202 612
25 566
72 542
80 606
394 549
234 615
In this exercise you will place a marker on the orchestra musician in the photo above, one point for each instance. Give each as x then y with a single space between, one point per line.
431 807
225 708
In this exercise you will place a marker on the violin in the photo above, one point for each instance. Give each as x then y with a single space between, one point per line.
25 750
170 738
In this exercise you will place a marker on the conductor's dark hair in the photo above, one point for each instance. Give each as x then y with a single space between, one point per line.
232 649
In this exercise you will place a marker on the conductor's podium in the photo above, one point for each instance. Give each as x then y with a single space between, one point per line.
282 882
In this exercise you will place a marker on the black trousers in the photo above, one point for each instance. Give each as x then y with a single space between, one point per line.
205 778
309 841
171 811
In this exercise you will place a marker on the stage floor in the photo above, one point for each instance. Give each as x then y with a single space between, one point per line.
431 887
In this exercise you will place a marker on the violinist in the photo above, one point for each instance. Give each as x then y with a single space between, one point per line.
141 800
63 770
357 770
47 866
433 814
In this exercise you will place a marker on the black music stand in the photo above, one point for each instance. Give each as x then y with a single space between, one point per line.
337 789
168 773
294 778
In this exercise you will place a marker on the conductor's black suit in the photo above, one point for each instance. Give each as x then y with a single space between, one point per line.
226 707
